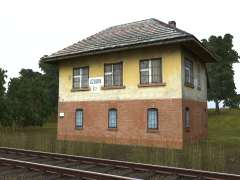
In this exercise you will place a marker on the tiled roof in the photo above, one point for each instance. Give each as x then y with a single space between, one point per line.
140 32
143 33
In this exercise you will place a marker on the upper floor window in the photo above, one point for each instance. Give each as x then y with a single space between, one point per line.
187 118
113 75
199 76
80 77
188 67
79 118
152 117
150 71
112 118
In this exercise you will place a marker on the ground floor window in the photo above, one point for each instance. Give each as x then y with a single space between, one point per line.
112 118
152 117
79 118
187 118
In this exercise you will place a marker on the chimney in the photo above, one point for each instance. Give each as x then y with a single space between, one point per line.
172 24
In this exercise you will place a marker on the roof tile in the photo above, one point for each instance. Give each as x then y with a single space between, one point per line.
149 30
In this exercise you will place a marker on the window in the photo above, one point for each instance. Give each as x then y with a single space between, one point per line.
199 76
113 75
187 118
79 118
150 71
152 118
112 118
205 117
80 77
188 66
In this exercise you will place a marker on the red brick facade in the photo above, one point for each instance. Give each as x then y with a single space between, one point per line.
132 122
198 121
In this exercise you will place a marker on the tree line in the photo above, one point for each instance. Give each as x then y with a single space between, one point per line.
31 99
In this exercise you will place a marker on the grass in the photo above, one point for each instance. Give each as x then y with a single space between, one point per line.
224 128
220 152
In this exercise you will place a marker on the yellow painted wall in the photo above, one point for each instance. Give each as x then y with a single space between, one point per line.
171 65
194 93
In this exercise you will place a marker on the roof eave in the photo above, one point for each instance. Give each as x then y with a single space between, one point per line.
211 57
114 49
134 46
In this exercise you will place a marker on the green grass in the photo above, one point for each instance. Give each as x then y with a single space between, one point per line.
224 128
220 152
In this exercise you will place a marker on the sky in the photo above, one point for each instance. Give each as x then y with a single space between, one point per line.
30 29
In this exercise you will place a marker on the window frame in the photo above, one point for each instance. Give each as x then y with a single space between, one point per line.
109 110
79 127
157 124
187 126
150 79
191 73
205 116
121 75
199 83
80 78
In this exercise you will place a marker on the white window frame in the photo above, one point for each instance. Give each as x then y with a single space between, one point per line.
149 70
190 77
81 125
110 73
148 120
111 120
79 76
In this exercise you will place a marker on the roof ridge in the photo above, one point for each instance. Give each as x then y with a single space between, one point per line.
137 32
134 22
111 27
138 21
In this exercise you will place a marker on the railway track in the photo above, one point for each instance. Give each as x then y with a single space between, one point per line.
43 165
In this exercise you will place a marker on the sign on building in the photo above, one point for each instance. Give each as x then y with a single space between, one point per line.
95 83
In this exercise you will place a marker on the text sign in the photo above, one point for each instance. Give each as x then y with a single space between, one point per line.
96 83
61 114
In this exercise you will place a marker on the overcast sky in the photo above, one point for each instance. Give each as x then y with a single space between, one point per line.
30 29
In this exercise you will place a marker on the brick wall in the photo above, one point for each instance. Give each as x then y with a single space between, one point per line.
198 121
132 122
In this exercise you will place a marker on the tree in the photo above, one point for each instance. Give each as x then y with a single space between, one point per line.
50 77
3 113
221 74
233 102
3 76
28 99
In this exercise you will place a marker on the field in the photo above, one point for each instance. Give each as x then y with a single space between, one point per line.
220 152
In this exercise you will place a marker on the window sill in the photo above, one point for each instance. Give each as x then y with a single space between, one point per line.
80 89
112 87
189 85
112 129
187 129
78 128
152 85
152 130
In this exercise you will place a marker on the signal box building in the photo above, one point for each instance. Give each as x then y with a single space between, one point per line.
141 83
